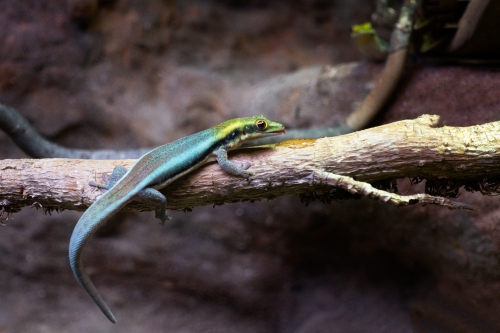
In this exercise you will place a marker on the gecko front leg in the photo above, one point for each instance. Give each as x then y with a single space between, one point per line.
230 167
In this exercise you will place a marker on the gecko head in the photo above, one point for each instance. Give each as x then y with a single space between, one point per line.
241 130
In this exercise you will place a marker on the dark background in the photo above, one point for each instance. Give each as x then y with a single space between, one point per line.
125 74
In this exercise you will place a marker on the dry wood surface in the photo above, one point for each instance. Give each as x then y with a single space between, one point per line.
409 148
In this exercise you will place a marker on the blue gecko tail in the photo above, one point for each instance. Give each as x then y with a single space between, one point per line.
97 214
107 312
75 259
103 306
90 221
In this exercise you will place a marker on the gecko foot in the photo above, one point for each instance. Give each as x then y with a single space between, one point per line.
245 165
110 181
162 216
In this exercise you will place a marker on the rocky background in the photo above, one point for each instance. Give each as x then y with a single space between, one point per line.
127 73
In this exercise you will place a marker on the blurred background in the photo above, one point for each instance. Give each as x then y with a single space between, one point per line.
121 74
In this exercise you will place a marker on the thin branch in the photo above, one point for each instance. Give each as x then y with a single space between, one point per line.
468 23
391 74
35 145
365 189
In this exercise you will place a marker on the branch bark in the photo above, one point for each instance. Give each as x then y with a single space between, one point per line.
410 148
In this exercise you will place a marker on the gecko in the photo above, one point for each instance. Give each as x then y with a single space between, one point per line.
157 169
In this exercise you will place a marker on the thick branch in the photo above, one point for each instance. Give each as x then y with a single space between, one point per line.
410 148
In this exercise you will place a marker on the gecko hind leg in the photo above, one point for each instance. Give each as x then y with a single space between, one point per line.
118 172
144 195
151 195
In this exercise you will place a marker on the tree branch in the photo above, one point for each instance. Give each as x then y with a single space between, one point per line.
410 148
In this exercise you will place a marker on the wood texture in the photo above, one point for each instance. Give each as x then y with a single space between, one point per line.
407 148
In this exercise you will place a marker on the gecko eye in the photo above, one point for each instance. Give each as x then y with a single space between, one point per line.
261 124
